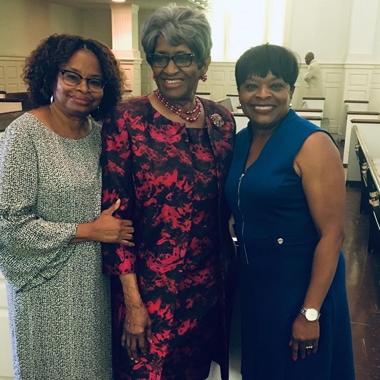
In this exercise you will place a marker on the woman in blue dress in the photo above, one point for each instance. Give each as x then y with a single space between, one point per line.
286 189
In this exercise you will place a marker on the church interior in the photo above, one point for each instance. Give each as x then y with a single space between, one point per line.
344 36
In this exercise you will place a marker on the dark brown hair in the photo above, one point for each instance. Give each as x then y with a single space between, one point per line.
43 65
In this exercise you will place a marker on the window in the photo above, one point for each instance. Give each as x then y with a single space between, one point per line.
240 24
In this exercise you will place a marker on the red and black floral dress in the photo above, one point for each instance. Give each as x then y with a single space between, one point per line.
170 180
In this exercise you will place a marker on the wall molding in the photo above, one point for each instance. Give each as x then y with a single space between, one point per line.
10 74
356 81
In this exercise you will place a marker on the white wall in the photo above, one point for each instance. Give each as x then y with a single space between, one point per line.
377 37
23 23
321 26
363 31
343 36
96 24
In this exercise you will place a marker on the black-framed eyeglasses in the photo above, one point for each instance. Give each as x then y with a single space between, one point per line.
71 78
162 60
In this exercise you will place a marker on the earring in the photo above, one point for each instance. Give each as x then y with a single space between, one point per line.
51 99
203 77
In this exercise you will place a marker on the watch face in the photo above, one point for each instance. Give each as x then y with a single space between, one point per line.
311 314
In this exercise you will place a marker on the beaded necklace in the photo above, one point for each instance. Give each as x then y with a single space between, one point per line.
190 116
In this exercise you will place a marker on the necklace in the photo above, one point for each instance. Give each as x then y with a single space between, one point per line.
191 115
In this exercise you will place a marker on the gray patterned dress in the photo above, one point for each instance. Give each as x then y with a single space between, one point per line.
58 296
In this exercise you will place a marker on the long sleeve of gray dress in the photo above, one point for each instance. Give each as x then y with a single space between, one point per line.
58 298
31 245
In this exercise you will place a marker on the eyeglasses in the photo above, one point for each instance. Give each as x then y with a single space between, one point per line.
162 60
71 78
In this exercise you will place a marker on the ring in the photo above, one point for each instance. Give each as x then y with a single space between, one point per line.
309 347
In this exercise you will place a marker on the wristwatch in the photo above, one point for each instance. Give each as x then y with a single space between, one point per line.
310 314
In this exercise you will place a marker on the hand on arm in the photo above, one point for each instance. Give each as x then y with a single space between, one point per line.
137 325
107 229
320 167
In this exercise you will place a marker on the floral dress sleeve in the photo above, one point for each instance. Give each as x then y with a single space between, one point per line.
118 184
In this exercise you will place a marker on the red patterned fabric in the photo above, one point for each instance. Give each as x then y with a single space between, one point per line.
170 181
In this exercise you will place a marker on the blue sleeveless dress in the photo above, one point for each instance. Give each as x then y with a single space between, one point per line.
277 238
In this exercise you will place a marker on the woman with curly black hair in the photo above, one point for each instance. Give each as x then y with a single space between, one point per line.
50 220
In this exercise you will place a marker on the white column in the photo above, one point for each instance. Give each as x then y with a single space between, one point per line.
125 31
125 43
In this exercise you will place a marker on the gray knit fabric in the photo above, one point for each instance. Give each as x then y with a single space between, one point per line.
58 296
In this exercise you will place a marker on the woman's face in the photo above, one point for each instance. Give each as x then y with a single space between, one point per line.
78 90
265 101
177 82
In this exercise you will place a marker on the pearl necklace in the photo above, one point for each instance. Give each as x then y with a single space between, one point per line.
190 116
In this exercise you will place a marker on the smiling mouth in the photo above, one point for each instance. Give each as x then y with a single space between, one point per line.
82 100
173 82
263 108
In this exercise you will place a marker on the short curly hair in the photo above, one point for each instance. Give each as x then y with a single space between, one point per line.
43 65
178 25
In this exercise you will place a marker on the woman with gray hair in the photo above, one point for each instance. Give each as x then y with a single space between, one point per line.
166 157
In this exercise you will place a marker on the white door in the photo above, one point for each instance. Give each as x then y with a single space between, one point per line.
6 372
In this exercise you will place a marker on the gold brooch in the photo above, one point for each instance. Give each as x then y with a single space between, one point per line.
217 120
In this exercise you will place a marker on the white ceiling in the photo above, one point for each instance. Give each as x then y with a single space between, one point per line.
145 4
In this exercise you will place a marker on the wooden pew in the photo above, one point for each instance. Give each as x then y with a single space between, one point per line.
368 154
10 105
307 112
351 115
356 105
226 102
22 97
206 95
235 103
315 102
353 170
7 117
317 120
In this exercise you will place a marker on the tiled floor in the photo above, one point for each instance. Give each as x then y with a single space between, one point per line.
363 286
